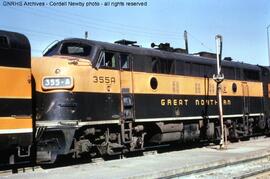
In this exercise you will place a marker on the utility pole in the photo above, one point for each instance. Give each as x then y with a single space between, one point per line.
219 77
267 29
186 40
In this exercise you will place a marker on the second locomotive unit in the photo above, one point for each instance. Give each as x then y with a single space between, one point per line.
16 119
104 99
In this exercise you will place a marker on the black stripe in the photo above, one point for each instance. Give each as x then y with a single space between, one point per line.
77 106
7 141
15 58
105 106
9 107
149 106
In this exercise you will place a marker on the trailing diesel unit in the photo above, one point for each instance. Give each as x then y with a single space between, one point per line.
16 124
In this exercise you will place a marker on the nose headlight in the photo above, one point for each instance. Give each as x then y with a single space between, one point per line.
57 82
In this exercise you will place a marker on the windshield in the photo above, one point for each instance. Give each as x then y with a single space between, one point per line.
75 49
70 49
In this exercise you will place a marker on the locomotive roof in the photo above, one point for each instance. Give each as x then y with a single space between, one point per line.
13 40
159 53
15 50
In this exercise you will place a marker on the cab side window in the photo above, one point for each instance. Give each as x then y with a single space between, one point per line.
125 61
109 60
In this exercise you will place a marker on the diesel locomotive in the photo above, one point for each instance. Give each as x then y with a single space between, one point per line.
16 119
102 98
94 98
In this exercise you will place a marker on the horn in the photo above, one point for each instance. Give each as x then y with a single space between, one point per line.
153 45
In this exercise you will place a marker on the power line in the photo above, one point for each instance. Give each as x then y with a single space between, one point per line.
33 32
117 24
201 43
53 20
63 19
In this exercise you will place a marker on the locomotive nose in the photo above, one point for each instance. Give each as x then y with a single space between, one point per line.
56 106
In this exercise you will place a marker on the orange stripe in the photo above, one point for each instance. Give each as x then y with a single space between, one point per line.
84 81
13 123
15 82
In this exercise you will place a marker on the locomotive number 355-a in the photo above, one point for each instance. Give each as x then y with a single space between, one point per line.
104 79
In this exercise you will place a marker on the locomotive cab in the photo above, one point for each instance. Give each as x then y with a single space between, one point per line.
71 92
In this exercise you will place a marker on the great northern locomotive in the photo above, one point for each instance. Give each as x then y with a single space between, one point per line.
98 98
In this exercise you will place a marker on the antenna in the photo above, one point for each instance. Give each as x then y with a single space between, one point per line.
86 34
186 40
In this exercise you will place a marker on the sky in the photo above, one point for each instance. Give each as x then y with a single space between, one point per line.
242 24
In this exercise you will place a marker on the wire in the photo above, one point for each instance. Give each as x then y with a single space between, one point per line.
69 18
68 21
201 43
33 32
118 25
